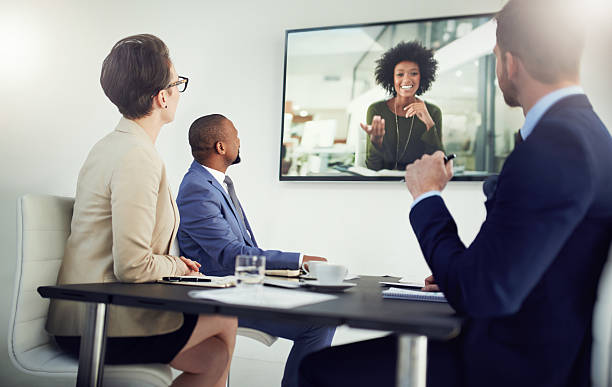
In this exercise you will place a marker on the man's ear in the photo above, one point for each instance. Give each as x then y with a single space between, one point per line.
220 147
512 63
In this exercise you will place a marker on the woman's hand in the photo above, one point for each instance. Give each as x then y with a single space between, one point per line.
190 267
376 131
430 285
419 109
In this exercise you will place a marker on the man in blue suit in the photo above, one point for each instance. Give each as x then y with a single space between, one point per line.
214 229
527 283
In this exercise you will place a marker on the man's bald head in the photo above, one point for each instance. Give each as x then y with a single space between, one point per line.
204 133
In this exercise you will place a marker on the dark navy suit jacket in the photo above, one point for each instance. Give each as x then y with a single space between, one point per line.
210 231
528 281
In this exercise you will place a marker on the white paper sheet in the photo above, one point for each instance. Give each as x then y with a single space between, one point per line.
262 296
412 281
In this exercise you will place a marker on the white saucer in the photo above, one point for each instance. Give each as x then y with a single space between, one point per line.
308 277
328 288
311 277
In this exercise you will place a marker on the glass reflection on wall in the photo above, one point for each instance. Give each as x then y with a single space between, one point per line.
330 84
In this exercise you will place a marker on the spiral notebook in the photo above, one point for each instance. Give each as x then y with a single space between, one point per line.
417 295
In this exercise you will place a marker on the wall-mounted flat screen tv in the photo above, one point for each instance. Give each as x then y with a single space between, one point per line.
360 102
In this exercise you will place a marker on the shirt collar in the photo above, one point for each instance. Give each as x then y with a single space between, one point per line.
537 111
218 175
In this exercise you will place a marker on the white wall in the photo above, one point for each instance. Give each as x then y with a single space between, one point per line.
52 110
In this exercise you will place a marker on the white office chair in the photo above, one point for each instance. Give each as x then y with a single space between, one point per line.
601 357
43 225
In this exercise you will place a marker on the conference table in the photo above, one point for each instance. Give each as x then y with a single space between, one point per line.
359 307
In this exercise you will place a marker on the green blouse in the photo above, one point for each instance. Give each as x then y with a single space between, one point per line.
396 155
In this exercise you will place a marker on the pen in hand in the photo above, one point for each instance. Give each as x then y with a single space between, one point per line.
447 158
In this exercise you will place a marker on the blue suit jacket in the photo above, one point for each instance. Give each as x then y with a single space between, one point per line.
528 281
210 231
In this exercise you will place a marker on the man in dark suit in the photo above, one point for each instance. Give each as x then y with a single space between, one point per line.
527 283
214 229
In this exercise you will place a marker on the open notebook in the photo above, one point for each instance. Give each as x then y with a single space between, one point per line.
409 294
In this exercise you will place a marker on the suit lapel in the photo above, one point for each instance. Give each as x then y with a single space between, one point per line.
246 221
246 234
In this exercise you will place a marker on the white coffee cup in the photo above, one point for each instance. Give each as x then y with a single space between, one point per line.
312 266
331 274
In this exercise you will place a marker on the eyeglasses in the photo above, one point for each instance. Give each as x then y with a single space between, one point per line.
181 84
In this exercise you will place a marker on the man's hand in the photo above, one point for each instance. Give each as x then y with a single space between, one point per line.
430 285
429 173
307 258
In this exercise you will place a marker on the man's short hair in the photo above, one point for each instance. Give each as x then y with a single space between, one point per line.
204 133
547 35
135 70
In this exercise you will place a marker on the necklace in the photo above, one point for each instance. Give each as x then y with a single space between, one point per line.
397 155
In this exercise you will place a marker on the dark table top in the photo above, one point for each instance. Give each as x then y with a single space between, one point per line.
358 307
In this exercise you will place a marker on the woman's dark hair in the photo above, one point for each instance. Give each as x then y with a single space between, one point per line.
406 51
136 69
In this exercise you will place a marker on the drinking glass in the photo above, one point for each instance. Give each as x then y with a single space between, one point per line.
250 270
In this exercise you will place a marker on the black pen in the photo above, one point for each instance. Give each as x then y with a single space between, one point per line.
447 158
195 279
186 279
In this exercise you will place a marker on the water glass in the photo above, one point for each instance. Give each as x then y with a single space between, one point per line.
250 270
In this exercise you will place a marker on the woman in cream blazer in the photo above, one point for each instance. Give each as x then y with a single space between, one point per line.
125 221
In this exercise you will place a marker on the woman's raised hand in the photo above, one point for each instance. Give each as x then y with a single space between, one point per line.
419 109
376 131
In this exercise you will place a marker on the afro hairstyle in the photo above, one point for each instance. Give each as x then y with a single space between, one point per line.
406 51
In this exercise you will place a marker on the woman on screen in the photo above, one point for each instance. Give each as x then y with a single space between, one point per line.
124 224
403 128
